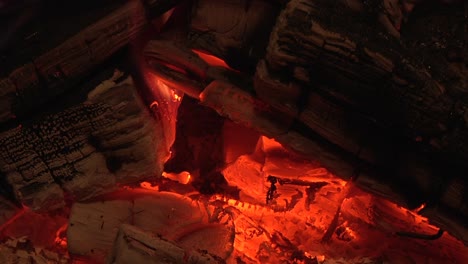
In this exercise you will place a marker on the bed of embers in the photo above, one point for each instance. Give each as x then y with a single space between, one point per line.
274 207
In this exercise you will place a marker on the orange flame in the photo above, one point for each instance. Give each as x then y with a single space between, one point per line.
149 186
417 210
211 59
183 177
60 236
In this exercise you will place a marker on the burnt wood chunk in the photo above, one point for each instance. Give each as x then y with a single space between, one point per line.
84 150
412 92
133 245
94 226
240 106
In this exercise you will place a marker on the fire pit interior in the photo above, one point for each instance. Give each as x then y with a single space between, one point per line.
234 131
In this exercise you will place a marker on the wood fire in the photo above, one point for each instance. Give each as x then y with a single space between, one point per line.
240 131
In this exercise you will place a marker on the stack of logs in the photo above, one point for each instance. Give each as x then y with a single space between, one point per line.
331 80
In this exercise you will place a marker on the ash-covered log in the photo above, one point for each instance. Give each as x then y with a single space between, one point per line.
133 245
85 150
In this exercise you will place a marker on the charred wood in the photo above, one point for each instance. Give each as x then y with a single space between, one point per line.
48 72
83 150
133 245
236 31
94 226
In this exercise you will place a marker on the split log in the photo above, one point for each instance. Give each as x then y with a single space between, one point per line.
84 150
133 245
51 71
94 226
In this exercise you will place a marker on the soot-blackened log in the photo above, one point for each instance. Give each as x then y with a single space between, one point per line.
319 45
51 68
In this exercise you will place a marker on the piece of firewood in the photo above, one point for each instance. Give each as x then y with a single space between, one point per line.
133 245
94 225
51 71
389 81
84 150
240 106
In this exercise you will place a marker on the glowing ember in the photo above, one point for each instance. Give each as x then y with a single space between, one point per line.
422 206
60 236
211 59
183 177
306 204
149 186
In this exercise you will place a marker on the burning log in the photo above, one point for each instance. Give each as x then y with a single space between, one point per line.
372 97
346 73
133 245
84 150
384 137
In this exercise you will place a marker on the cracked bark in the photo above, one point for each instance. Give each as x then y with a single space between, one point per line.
84 150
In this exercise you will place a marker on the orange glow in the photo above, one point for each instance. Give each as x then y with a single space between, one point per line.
175 96
154 105
61 236
211 59
289 228
173 67
418 219
417 210
149 186
162 86
183 177
18 214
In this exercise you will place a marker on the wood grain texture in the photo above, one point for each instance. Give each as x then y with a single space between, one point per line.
84 150
400 90
397 106
133 245
94 226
